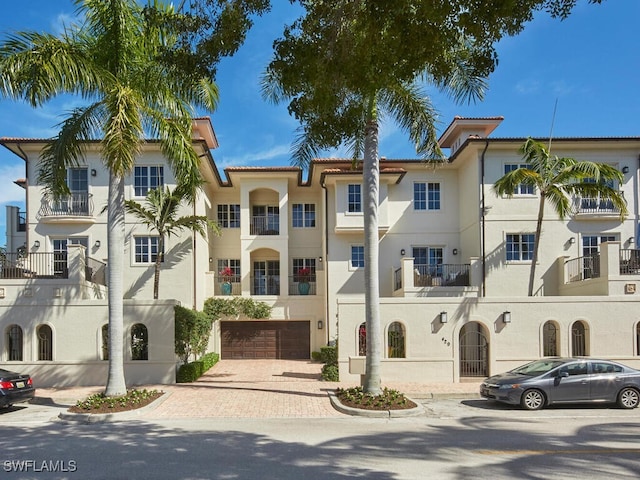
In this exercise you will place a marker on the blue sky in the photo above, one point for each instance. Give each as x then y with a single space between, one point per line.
589 64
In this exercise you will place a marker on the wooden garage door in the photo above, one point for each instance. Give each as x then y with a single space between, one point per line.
276 340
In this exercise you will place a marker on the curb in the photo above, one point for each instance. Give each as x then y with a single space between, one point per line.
113 417
358 412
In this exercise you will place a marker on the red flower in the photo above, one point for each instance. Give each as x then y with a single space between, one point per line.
304 274
226 273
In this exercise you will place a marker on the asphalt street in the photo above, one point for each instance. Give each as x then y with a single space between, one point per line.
453 439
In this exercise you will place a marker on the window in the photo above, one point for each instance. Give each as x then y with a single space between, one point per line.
304 263
229 216
357 256
146 249
139 342
362 339
45 342
104 337
78 180
426 196
520 246
233 264
427 261
14 343
354 198
550 340
521 189
395 343
597 204
303 215
147 178
638 339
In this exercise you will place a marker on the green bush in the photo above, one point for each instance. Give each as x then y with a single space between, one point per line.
330 373
329 355
315 356
192 330
190 372
209 360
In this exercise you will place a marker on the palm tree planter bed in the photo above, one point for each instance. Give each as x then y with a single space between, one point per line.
388 400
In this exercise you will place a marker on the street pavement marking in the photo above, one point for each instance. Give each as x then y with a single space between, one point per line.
604 451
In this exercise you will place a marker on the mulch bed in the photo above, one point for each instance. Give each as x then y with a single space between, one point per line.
118 407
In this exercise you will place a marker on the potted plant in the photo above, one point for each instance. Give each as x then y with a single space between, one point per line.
227 275
304 275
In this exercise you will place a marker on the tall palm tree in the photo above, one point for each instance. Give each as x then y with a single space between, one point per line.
112 61
160 215
557 180
339 92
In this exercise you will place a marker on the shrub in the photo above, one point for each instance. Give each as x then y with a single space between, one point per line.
329 355
315 356
209 360
330 373
192 330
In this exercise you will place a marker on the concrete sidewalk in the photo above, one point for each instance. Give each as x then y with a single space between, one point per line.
257 389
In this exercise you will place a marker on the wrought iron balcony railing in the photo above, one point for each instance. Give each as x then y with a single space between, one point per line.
76 204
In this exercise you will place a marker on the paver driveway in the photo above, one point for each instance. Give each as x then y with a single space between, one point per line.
251 388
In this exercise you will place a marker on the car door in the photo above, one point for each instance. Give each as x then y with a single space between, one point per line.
571 384
605 381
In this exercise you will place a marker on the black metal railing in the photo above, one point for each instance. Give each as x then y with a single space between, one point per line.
75 204
263 225
397 279
583 268
22 221
95 271
442 275
630 262
34 265
265 285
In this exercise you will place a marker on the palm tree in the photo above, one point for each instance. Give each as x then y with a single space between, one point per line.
557 180
112 61
342 106
161 217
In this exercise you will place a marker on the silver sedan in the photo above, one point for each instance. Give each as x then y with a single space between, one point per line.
552 381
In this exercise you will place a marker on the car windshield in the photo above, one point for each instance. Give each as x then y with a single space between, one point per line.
538 367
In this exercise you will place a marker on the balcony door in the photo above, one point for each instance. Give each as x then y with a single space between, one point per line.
60 252
266 277
590 250
265 220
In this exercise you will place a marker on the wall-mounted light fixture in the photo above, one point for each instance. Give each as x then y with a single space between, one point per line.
210 259
625 169
402 252
94 172
36 244
506 317
319 259
97 244
572 240
455 251
631 240
444 317
319 324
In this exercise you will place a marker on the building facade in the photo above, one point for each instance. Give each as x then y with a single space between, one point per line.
454 264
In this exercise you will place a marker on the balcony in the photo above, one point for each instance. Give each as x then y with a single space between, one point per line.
443 280
265 285
73 208
443 275
22 222
265 225
302 286
583 268
594 208
225 286
33 265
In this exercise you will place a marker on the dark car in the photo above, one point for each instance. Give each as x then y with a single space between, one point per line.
551 381
15 388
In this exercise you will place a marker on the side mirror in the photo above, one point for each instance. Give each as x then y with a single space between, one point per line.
563 374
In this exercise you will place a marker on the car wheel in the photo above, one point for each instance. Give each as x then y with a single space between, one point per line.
532 400
628 398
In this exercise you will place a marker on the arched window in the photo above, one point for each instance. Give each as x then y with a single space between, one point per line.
395 340
579 339
550 340
139 342
362 339
105 341
14 343
45 342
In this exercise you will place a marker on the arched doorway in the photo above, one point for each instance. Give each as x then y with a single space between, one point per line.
579 339
550 340
474 351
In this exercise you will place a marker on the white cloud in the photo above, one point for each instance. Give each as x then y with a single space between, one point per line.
259 158
527 87
10 193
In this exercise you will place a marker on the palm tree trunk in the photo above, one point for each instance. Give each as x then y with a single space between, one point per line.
371 180
156 272
536 244
116 384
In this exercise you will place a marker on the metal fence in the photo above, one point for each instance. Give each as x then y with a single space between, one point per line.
441 275
76 204
34 265
630 262
582 268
